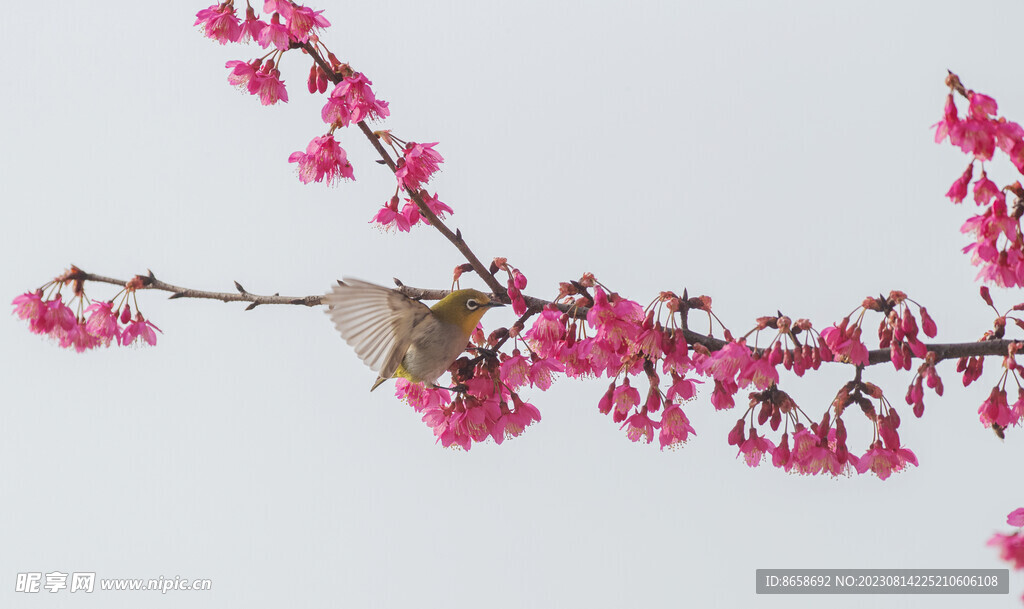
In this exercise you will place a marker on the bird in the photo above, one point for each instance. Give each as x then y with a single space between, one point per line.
397 336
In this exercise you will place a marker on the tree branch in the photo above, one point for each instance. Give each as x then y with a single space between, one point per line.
943 351
150 282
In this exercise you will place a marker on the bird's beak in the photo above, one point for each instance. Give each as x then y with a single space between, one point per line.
494 303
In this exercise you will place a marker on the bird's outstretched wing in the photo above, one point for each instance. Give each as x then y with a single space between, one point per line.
376 321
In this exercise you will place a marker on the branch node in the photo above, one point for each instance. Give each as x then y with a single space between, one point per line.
176 295
252 305
240 289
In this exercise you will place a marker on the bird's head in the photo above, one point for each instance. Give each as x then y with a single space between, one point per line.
464 308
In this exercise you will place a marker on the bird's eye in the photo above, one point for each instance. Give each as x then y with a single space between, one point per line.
472 304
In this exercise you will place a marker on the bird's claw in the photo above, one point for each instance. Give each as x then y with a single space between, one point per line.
460 388
484 351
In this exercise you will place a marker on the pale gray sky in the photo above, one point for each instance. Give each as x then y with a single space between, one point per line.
772 155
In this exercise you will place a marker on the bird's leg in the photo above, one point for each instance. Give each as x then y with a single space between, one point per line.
483 351
460 388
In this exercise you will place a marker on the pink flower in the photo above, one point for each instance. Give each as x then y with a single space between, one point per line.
737 435
1017 409
1017 156
984 190
754 448
323 158
480 418
514 370
420 397
1004 270
981 106
760 372
624 398
576 359
303 20
284 7
30 306
1008 137
1016 518
887 429
987 227
78 338
677 359
601 356
468 420
411 213
813 455
437 420
883 462
721 397
440 209
541 372
958 190
139 328
1011 548
547 332
56 319
650 342
483 388
388 217
654 397
975 136
220 23
524 415
450 430
268 85
604 405
274 34
804 444
682 389
844 343
675 427
417 164
949 120
616 319
352 101
102 323
251 27
825 460
640 427
996 410
781 456
727 362
242 72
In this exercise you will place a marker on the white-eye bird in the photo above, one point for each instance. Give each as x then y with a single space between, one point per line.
397 336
